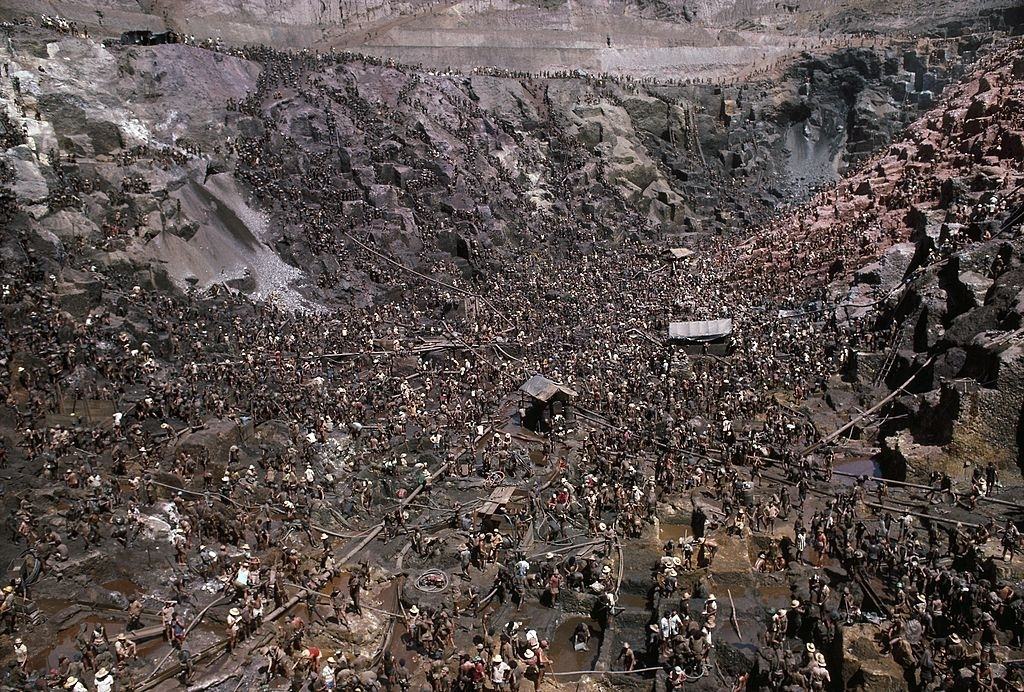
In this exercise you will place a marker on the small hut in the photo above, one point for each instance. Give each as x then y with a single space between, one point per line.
543 399
675 254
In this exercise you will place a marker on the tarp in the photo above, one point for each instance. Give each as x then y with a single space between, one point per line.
543 389
703 330
680 252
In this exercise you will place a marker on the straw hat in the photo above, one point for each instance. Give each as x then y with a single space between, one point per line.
528 654
70 682
497 658
810 647
414 610
102 673
819 658
234 611
794 603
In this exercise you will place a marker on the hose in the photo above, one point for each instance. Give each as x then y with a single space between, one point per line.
433 581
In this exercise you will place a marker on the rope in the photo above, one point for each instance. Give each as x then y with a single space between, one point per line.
433 581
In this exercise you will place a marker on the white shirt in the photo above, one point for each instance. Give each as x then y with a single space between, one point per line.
498 674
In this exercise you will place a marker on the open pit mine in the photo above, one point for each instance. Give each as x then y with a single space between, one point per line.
511 345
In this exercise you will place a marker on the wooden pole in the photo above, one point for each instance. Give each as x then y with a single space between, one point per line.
735 621
880 404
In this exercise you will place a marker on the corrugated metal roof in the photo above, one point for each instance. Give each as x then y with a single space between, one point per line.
543 389
703 330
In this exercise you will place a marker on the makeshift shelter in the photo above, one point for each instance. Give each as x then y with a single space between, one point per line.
674 254
493 511
543 399
710 336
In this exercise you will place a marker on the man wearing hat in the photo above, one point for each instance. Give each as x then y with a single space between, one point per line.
794 620
124 647
530 670
710 614
327 673
21 653
166 618
234 622
75 685
8 615
956 651
500 672
104 681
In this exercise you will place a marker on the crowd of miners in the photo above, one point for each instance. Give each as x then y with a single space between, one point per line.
224 442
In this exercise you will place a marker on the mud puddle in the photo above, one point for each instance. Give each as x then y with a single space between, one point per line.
565 658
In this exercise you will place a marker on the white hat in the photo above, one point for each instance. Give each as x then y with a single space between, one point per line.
234 611
102 673
602 526
606 570
528 654
414 610
323 536
497 658
70 682
711 597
